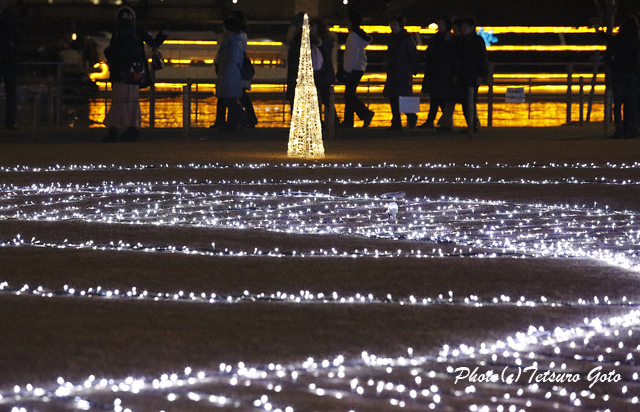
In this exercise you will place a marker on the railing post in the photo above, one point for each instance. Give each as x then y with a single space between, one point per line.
594 80
581 101
569 95
490 97
186 110
152 100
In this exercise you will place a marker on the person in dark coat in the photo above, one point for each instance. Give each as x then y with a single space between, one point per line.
438 77
623 53
9 37
128 70
472 68
230 85
324 77
402 65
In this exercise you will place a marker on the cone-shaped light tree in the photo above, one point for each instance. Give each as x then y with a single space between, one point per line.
305 133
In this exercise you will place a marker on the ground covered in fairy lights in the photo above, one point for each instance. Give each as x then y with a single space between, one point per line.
191 276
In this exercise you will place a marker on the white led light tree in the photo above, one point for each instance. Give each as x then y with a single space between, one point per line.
305 133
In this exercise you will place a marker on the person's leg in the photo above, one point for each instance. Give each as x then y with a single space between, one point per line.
630 107
396 120
350 98
472 121
221 114
617 86
433 111
247 105
234 119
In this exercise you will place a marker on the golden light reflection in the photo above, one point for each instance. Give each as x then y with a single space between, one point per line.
275 113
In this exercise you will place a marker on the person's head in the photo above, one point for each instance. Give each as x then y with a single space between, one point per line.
467 26
444 24
242 19
629 27
396 23
355 18
298 19
318 26
455 27
231 24
125 21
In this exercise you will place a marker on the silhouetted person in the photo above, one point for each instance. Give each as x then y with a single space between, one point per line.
438 76
230 85
402 65
9 37
622 57
249 118
128 70
472 68
354 64
324 77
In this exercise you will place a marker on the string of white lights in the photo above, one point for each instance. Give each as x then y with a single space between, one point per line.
305 296
539 369
312 166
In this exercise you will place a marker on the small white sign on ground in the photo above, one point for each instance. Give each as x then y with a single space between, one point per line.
514 95
409 104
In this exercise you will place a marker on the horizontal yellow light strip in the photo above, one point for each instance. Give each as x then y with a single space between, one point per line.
191 42
264 43
214 42
558 47
495 29
540 47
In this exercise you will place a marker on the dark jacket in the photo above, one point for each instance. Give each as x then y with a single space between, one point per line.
9 37
472 60
623 53
402 64
126 47
438 73
327 73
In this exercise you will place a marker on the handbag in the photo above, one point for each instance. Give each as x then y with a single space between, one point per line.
157 62
247 71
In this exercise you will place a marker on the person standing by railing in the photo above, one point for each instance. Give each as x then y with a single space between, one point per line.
128 71
471 70
623 53
402 65
354 64
9 37
437 81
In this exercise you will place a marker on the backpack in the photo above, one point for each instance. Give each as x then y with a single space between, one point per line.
316 58
247 71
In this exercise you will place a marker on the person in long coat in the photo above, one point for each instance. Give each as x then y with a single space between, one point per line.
472 68
125 50
229 85
402 65
622 56
438 76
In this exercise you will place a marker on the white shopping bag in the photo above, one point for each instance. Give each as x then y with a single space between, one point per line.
409 104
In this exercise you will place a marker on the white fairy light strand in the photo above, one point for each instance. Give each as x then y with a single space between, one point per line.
554 360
